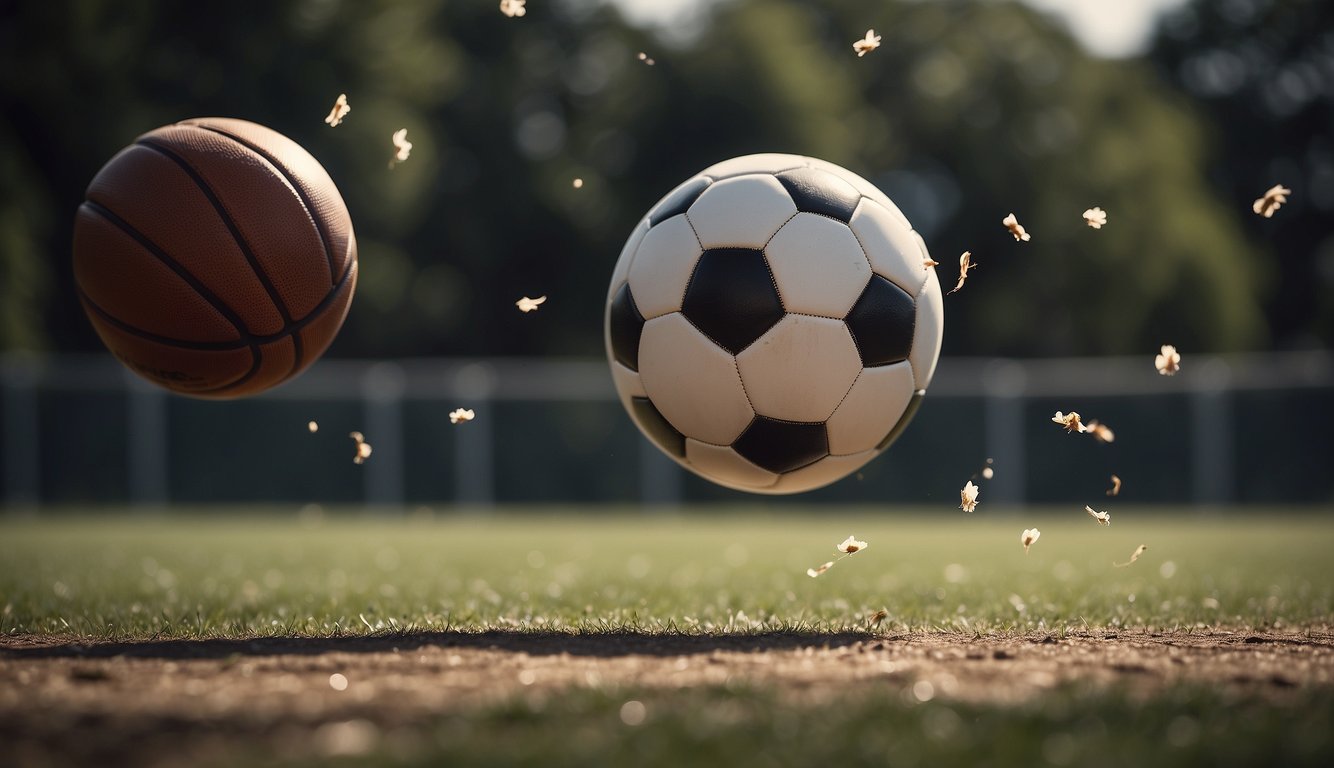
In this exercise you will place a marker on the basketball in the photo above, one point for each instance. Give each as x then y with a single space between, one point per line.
215 257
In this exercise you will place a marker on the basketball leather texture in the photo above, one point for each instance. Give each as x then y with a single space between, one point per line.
215 257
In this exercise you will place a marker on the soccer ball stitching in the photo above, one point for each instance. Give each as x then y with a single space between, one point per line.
887 220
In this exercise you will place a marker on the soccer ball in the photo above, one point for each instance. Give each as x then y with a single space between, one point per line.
772 324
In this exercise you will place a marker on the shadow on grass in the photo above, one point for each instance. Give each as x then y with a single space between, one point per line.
605 644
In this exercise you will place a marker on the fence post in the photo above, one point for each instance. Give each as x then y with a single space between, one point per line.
382 389
146 437
659 476
21 434
1004 383
474 457
1211 450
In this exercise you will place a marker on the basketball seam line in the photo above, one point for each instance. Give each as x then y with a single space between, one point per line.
235 231
256 354
305 199
198 346
161 255
247 339
257 360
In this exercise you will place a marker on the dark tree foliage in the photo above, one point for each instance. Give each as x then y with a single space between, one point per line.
1262 71
968 111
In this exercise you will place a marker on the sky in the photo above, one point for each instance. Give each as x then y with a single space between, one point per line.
1106 27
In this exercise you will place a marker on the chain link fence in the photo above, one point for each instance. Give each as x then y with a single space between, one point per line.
81 431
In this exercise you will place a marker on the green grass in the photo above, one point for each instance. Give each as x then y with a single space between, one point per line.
220 575
742 726
216 574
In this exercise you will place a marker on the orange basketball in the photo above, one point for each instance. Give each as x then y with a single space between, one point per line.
215 257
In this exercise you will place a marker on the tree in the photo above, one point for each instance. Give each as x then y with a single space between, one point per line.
968 111
1261 72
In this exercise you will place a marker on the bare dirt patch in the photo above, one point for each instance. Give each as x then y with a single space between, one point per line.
148 703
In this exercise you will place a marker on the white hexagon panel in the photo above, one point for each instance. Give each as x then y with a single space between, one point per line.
890 246
821 473
692 382
801 369
930 329
741 212
818 265
871 409
663 263
762 163
724 465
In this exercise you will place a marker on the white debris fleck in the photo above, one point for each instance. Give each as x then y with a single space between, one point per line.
526 304
866 44
1029 536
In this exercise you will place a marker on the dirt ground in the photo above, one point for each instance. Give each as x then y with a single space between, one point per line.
134 703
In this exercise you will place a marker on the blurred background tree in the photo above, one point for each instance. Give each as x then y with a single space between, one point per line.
1261 72
968 111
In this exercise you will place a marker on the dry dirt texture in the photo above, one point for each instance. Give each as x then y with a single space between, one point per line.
131 703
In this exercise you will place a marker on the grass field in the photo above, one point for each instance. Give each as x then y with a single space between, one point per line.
218 575
524 638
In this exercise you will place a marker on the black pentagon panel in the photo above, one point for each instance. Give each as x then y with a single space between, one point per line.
882 323
908 413
782 446
624 324
678 200
816 191
659 430
731 297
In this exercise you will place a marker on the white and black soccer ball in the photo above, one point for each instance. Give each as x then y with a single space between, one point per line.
772 324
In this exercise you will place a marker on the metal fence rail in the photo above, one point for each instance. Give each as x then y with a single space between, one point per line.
82 430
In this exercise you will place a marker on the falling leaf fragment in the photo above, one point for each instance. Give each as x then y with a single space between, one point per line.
339 111
965 264
513 8
1133 556
848 547
1029 536
1070 421
866 44
461 414
363 448
402 147
648 61
313 427
1274 197
1016 229
851 545
1095 217
1101 432
1103 518
1116 486
526 304
1168 361
968 497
